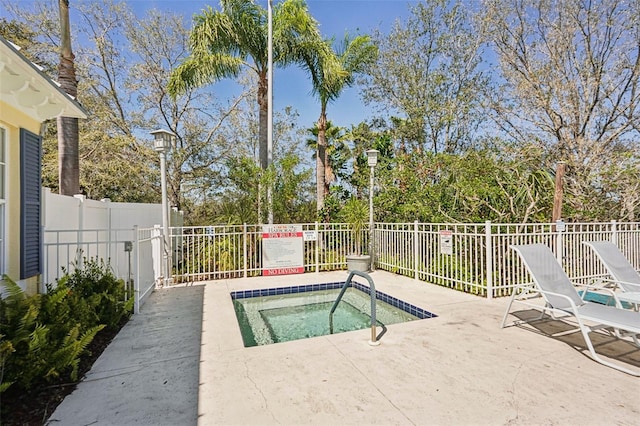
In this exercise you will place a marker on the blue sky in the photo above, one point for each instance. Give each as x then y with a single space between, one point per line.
291 86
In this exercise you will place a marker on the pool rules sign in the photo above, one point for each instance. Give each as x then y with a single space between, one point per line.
282 250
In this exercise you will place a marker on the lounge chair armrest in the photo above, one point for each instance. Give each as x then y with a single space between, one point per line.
574 308
600 287
617 284
634 286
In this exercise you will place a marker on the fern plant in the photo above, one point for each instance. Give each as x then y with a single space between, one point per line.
6 349
44 336
24 341
68 355
41 338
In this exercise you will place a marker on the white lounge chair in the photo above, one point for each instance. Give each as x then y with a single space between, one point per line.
623 275
562 301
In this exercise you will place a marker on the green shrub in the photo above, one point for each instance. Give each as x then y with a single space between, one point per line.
32 350
44 336
331 260
453 272
397 264
97 296
213 255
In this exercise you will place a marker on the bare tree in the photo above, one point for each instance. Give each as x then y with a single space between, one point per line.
428 73
204 136
571 75
124 63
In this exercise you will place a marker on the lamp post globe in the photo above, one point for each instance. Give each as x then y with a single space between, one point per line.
372 157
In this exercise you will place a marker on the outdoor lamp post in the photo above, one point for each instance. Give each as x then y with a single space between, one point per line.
162 144
372 160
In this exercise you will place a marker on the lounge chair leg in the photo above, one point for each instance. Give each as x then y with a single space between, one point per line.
596 357
506 313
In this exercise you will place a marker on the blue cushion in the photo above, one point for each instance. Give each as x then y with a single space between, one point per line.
603 299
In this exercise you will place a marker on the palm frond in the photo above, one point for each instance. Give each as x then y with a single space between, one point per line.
221 42
201 70
357 54
295 33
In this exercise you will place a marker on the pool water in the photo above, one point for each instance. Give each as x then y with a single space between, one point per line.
291 313
303 321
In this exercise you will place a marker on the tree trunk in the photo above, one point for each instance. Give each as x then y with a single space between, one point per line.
321 160
328 170
68 158
263 104
68 137
556 214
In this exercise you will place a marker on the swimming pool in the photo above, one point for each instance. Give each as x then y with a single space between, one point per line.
283 314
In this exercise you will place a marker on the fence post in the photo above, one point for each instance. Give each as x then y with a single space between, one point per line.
559 227
107 203
614 232
416 253
156 255
490 267
136 270
44 257
244 247
317 247
79 250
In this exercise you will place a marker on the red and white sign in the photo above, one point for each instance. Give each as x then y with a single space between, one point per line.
446 242
282 250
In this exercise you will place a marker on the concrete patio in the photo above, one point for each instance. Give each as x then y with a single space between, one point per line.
181 361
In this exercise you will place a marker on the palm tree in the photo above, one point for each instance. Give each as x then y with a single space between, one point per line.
353 56
68 137
335 154
226 41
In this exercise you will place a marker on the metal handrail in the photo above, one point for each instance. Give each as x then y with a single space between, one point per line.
374 338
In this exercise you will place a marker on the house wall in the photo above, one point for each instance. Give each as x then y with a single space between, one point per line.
12 120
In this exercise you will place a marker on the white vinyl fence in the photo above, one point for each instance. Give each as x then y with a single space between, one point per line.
123 235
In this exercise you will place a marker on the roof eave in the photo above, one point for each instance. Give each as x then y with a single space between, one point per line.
24 86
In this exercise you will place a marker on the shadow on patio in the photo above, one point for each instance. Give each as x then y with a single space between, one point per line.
622 351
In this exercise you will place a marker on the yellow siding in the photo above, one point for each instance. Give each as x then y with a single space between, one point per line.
12 120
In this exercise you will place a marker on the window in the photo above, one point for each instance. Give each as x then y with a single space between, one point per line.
3 180
30 193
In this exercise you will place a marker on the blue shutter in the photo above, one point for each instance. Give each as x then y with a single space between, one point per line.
30 204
